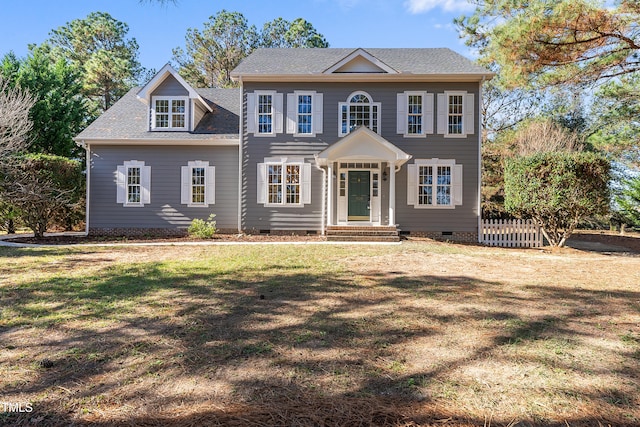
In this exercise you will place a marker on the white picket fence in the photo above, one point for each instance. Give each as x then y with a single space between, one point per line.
516 233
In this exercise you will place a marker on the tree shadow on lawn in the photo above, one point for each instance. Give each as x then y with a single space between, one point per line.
281 346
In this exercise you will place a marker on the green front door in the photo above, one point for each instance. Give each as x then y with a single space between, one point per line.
359 196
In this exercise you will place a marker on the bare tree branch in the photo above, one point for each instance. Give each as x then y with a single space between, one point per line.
15 124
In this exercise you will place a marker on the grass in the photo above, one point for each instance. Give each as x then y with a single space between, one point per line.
316 335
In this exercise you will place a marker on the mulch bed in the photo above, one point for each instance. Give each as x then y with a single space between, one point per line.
631 241
75 240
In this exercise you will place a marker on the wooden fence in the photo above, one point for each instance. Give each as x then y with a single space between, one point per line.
516 233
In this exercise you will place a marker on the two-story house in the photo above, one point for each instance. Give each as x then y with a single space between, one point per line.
313 141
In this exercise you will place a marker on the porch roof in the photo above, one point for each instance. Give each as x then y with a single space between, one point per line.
362 144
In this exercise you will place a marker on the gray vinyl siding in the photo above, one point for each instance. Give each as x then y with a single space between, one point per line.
198 112
165 209
465 151
170 87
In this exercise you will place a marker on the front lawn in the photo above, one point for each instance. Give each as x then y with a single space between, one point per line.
422 333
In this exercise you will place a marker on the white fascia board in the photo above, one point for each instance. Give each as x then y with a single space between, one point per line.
144 94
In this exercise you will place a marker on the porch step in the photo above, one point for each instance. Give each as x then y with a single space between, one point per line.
341 233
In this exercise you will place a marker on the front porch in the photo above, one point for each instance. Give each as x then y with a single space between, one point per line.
359 188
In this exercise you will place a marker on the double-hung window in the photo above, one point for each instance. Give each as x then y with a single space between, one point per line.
284 182
359 110
434 183
169 113
264 113
415 113
133 181
198 184
456 114
304 113
134 187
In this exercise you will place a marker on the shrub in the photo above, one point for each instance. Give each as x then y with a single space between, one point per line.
43 188
557 189
203 229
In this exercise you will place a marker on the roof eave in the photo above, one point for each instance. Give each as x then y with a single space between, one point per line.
219 140
364 77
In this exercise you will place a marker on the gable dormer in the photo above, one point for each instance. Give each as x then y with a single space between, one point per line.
173 104
360 62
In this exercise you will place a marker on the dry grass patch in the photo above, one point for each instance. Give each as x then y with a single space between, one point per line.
416 334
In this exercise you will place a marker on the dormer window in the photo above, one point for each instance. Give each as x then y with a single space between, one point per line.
169 113
359 110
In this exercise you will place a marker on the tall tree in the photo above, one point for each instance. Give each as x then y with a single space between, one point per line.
59 112
299 33
106 59
272 34
213 52
629 201
556 41
616 109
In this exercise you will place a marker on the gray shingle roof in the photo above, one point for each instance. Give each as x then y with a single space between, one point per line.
128 119
303 61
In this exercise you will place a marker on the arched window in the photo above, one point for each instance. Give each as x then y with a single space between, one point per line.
359 110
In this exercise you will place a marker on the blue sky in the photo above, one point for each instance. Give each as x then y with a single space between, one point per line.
159 29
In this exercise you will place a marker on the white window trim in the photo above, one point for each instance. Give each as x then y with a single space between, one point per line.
403 114
186 194
347 103
468 116
253 124
170 98
316 113
122 174
456 183
263 181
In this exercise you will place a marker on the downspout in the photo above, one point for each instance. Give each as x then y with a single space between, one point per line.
480 160
240 160
324 198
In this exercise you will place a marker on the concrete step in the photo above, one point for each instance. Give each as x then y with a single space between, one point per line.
348 233
351 238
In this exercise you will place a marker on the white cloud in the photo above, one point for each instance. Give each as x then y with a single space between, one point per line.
348 4
421 6
449 26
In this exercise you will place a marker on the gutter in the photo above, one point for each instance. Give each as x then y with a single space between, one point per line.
324 198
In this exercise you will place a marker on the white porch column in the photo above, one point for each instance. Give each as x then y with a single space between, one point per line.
330 193
392 193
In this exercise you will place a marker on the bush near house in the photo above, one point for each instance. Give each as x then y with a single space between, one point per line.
203 229
557 189
43 188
